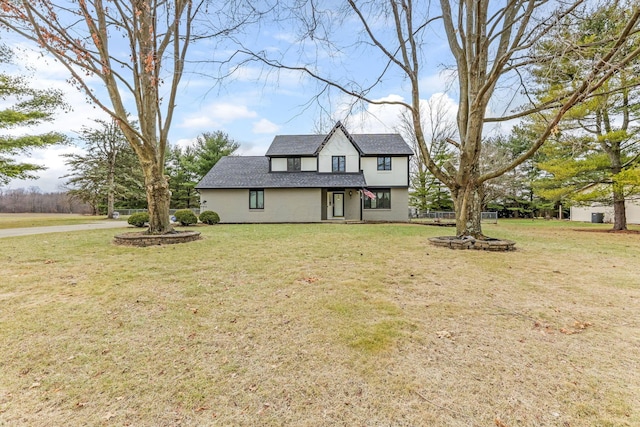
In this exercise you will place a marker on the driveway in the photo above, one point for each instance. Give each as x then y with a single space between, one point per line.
13 232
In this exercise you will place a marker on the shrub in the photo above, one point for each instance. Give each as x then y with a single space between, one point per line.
186 217
209 217
138 219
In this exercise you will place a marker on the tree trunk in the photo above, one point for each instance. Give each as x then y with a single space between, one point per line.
619 210
158 200
110 204
468 207
110 192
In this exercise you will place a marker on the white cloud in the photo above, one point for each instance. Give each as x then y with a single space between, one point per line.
200 122
387 118
228 112
186 142
216 116
441 82
376 118
265 126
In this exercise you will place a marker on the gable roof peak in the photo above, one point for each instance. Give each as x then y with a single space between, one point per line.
346 133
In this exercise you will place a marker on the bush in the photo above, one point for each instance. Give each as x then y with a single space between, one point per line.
209 217
186 217
138 219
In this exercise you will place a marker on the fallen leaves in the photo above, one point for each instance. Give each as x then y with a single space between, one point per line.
577 328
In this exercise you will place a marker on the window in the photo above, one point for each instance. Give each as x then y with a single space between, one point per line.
382 200
384 163
338 163
256 199
293 164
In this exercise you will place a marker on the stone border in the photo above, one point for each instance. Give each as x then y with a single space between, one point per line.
453 242
140 239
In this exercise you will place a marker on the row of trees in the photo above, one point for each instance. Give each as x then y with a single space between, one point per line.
34 201
107 176
591 152
499 51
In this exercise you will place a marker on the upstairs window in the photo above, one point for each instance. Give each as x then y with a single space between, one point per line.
338 164
293 164
256 199
384 163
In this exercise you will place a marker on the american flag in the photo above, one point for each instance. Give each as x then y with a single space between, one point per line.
369 194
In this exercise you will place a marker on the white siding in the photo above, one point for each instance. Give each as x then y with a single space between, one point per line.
583 213
339 145
279 164
280 205
309 164
397 176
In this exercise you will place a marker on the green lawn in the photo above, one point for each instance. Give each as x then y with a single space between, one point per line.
322 325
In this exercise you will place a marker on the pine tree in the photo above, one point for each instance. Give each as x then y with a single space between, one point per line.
29 107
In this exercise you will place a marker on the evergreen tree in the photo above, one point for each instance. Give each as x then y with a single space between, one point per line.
182 177
209 148
30 107
594 155
187 166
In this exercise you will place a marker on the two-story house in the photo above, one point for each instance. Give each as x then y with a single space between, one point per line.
313 178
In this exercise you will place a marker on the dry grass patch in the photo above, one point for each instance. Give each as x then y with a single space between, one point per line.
313 325
23 220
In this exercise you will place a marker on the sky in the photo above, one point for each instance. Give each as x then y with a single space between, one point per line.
252 106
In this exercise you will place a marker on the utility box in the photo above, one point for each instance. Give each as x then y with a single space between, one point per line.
597 217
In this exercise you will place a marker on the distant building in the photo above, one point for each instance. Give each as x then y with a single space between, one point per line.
586 213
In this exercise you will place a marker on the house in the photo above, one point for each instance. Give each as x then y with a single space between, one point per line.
313 178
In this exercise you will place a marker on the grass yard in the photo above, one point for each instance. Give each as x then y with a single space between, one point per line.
22 220
322 325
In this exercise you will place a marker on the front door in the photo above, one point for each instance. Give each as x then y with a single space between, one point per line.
338 205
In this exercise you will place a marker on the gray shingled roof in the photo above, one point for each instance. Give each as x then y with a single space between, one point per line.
382 143
369 145
253 172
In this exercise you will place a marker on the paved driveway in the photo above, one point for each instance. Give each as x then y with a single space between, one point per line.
12 232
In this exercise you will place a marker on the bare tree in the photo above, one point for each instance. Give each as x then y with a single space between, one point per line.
138 49
492 45
427 192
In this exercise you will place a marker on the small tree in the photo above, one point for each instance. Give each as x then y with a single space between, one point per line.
428 192
187 166
107 171
182 177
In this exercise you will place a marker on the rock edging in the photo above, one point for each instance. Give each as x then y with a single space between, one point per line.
141 239
453 242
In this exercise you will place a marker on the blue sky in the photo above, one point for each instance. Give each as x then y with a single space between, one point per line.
253 106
